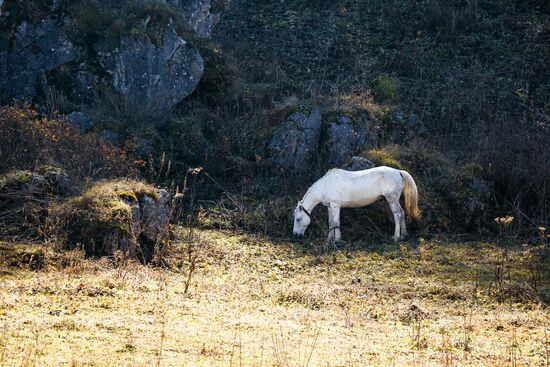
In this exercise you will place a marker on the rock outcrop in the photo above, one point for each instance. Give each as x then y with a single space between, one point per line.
25 196
296 142
347 137
45 182
37 49
152 66
358 164
153 79
118 215
149 221
300 139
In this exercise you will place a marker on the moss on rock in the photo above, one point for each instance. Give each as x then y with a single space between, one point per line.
383 157
105 210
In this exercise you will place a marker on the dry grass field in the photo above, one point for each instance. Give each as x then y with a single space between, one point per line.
255 302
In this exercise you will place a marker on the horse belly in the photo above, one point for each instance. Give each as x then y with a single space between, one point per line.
356 198
360 203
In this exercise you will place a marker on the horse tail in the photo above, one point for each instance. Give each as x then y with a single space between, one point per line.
411 196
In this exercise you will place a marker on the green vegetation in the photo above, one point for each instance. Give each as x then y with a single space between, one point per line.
382 157
386 88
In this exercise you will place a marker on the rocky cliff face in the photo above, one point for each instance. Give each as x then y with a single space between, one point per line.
45 52
301 139
200 15
37 48
153 79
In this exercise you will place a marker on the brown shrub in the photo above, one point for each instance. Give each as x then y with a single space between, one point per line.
30 140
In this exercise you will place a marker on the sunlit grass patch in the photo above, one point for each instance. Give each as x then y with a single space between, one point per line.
254 301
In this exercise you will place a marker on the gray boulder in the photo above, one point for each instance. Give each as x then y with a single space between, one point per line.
38 48
358 164
295 143
346 137
155 215
149 225
117 241
153 79
341 137
111 137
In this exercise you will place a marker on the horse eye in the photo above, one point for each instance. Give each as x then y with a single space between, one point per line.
298 219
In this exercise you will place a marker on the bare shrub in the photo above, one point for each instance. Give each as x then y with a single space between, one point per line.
29 140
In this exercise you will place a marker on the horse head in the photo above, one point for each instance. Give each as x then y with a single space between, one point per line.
302 219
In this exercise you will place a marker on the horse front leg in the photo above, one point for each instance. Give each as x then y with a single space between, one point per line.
334 222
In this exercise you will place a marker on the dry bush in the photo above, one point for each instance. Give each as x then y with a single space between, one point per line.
30 140
22 256
43 159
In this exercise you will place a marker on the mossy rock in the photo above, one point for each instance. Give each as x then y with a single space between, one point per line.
45 181
107 217
15 180
24 199
383 157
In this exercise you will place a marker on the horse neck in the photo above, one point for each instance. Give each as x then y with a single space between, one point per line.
310 199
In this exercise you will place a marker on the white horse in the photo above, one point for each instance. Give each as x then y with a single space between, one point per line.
344 189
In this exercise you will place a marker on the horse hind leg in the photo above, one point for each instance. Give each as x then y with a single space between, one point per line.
398 217
403 224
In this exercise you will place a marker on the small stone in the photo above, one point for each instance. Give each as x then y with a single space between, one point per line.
111 137
80 120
